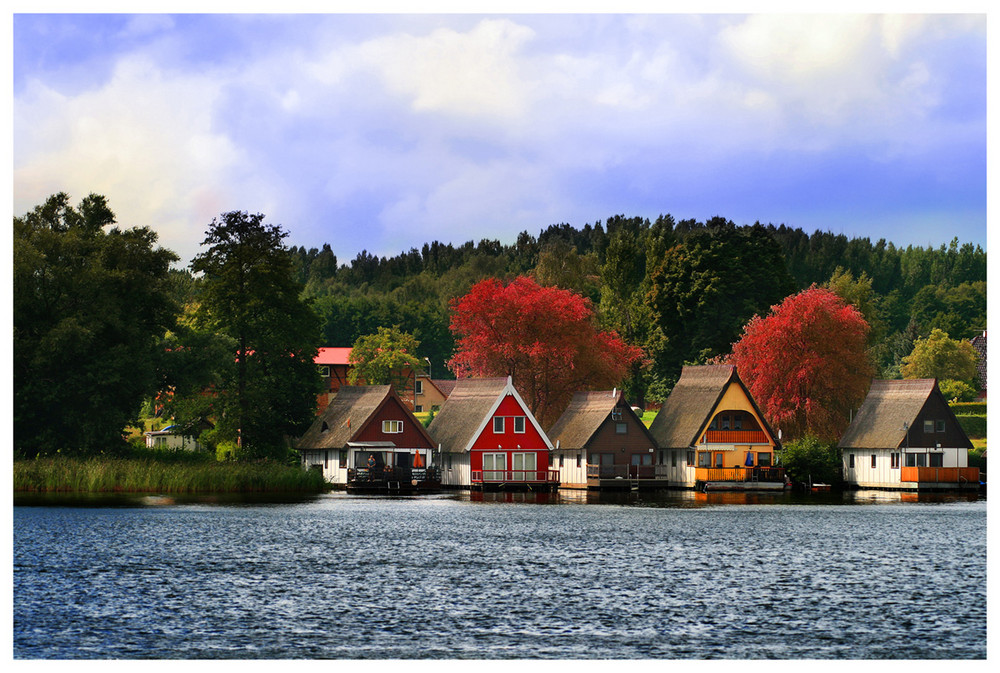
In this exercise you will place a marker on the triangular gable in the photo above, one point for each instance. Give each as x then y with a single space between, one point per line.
585 416
508 389
737 381
392 397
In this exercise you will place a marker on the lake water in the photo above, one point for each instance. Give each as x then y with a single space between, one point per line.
464 576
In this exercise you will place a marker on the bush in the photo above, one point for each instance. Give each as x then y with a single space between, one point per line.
969 408
226 451
957 391
810 459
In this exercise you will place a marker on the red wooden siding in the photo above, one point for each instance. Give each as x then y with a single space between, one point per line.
411 437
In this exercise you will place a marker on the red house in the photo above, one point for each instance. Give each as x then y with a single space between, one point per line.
489 439
334 366
367 439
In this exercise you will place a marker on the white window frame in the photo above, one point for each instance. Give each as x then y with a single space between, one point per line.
392 427
418 387
520 421
498 425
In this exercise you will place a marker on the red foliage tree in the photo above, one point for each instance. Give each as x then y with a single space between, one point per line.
544 338
806 363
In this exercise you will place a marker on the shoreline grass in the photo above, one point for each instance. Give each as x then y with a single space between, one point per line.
148 475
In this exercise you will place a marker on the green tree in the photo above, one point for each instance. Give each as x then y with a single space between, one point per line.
706 288
250 295
90 307
943 358
810 460
382 358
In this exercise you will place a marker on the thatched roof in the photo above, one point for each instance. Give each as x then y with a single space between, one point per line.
584 416
889 407
444 385
691 403
349 411
464 412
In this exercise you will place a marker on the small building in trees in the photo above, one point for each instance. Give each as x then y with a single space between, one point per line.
334 366
489 439
171 439
711 435
600 443
905 436
368 440
430 394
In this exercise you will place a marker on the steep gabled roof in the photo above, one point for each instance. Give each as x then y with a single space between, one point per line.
889 409
691 403
350 410
584 416
469 408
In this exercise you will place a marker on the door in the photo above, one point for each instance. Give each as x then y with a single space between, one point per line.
525 466
494 466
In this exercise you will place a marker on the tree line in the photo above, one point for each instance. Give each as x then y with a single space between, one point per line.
101 320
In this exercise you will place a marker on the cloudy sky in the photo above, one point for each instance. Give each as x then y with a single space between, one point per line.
383 132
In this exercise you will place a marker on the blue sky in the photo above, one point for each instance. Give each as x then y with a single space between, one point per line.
386 131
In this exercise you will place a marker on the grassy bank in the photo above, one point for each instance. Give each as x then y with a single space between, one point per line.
149 475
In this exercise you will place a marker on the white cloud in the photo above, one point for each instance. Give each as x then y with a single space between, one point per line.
145 140
473 73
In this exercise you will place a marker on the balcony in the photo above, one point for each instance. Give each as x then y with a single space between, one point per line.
740 474
393 477
940 475
734 437
541 476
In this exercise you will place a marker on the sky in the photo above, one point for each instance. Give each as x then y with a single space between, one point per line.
382 132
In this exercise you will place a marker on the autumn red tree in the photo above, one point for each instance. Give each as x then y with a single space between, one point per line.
806 363
544 338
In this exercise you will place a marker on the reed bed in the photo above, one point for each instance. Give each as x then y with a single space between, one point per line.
145 475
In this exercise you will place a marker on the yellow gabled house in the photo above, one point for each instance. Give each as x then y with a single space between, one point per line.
711 435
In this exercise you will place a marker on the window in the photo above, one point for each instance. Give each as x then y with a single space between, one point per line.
928 426
392 427
616 414
324 371
894 461
494 466
449 461
525 465
704 459
714 425
764 459
738 423
850 461
935 460
560 460
690 457
673 458
661 460
498 425
873 461
939 426
725 422
621 428
579 459
916 460
343 457
519 424
418 408
326 459
418 387
718 459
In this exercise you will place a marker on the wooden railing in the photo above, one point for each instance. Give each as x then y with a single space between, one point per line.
949 475
515 476
735 437
363 475
622 471
769 474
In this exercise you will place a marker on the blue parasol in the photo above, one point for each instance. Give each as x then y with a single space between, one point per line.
749 458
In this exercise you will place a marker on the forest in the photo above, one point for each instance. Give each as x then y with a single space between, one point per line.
681 290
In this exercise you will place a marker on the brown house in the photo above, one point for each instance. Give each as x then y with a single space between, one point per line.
601 443
367 438
905 436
